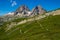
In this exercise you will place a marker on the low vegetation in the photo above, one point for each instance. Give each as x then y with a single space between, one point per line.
44 29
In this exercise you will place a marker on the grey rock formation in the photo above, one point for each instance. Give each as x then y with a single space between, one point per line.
38 10
23 10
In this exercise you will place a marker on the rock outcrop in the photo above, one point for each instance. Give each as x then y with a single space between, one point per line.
23 11
38 10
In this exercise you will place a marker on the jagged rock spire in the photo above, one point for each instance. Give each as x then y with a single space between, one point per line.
24 10
38 10
21 9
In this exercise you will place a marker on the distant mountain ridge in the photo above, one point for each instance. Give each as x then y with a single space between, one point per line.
24 11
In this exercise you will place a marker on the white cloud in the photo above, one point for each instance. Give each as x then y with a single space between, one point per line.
13 3
10 13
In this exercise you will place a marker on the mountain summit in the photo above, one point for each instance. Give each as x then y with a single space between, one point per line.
38 10
25 11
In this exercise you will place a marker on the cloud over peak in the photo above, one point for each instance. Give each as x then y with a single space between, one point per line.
13 3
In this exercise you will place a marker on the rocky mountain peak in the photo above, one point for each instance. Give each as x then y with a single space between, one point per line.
38 10
25 11
22 9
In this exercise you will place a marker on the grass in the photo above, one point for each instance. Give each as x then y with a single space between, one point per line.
44 29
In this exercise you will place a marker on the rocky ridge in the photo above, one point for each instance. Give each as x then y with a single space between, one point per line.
24 11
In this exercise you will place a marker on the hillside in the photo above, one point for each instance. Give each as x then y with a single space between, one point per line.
47 28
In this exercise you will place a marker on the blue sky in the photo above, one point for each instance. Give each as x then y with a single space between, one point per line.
7 6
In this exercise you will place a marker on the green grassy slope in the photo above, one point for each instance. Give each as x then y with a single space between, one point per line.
44 29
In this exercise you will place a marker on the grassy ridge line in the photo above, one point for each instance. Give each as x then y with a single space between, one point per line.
35 31
27 20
